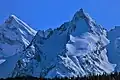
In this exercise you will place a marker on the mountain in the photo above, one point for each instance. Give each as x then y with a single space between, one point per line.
77 47
114 47
15 36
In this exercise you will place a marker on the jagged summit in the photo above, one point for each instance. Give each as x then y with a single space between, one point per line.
79 14
67 26
10 19
14 22
13 16
81 22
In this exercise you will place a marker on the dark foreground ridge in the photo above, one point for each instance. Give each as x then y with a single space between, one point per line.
112 76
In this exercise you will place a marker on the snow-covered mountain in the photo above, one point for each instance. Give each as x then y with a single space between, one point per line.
15 36
77 47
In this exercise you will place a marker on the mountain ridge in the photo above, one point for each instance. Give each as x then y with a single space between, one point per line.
65 30
77 47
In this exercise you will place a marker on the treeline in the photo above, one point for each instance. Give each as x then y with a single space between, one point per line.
112 76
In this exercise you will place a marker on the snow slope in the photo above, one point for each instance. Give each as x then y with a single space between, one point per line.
15 36
77 47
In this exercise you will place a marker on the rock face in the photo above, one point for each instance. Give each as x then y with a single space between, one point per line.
75 48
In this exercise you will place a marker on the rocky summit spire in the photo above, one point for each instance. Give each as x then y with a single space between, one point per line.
79 14
10 19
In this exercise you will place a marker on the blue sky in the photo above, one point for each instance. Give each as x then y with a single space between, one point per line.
42 14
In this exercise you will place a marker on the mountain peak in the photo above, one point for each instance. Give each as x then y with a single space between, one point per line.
79 14
81 10
11 18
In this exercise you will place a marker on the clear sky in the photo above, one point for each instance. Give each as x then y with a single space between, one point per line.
43 14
